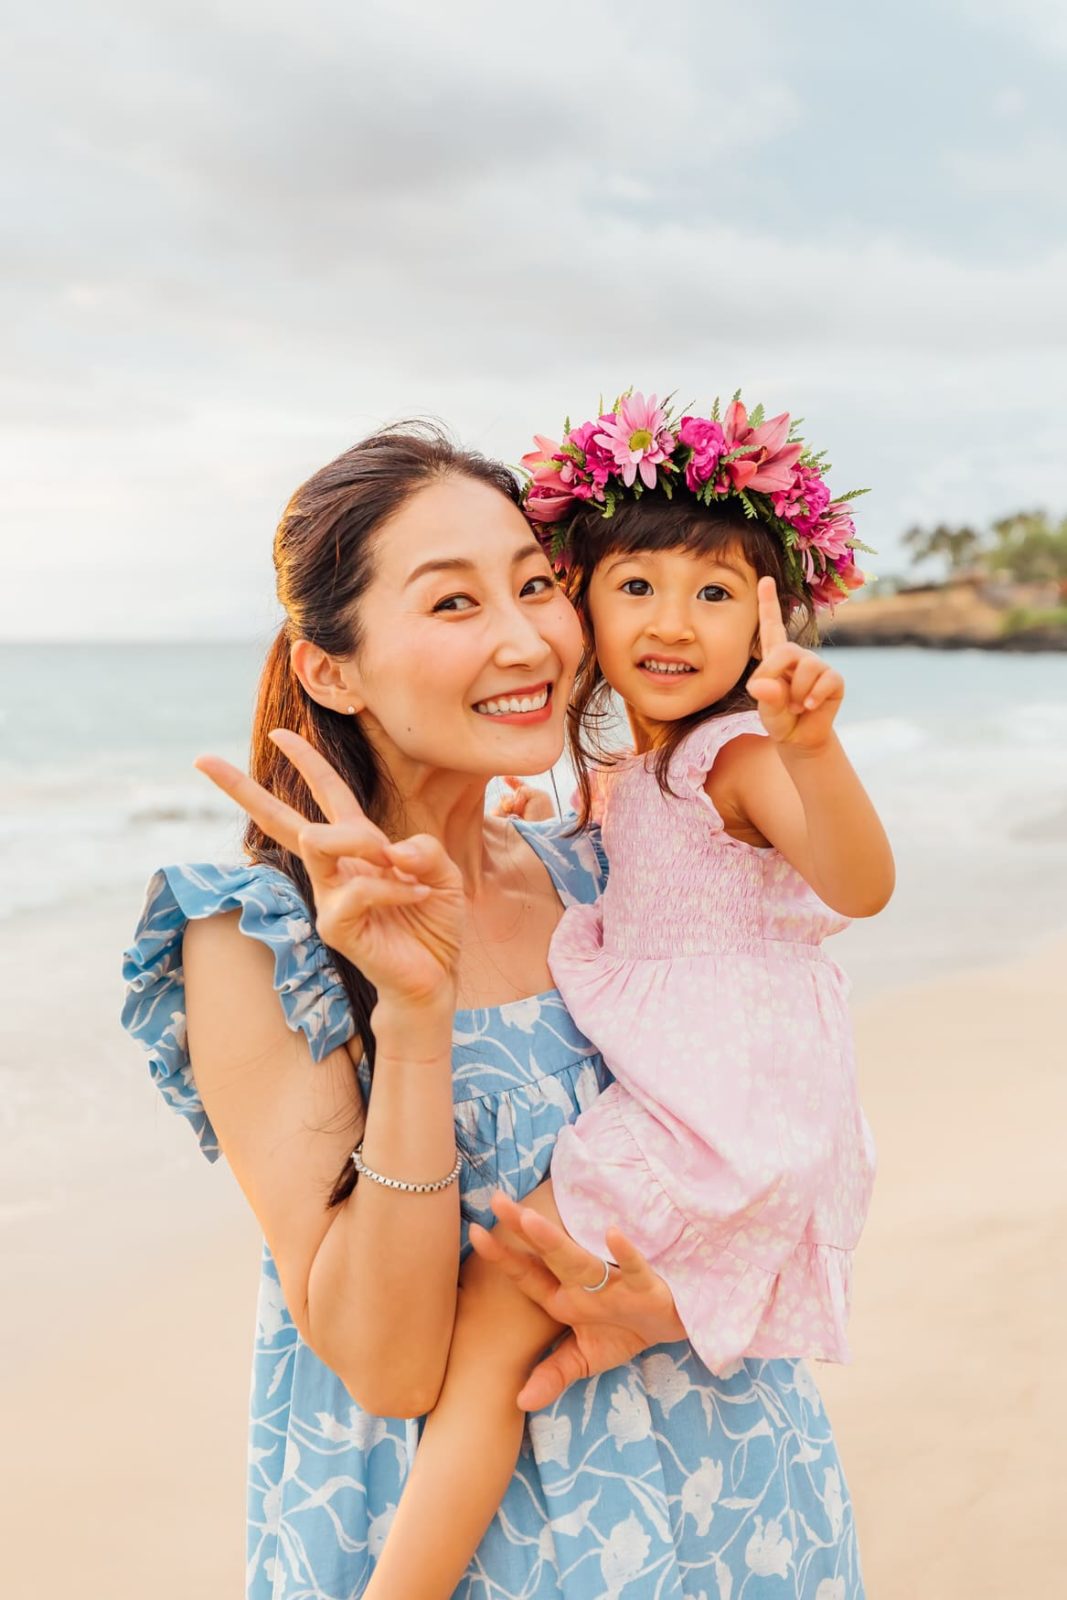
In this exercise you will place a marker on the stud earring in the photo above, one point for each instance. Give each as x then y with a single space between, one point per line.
351 711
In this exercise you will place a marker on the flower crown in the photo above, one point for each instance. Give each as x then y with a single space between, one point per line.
638 446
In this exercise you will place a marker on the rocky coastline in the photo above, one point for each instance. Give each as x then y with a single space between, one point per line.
963 614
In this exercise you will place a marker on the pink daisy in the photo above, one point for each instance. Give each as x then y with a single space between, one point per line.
637 438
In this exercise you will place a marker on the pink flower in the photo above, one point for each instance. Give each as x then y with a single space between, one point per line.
637 438
824 590
707 442
851 576
586 479
547 499
803 503
543 504
833 536
539 462
771 459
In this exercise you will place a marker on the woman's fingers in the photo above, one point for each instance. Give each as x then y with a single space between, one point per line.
525 1271
331 793
278 820
631 1263
425 858
321 844
575 1267
572 1266
564 1366
372 894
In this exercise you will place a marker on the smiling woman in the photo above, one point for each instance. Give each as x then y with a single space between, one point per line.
366 588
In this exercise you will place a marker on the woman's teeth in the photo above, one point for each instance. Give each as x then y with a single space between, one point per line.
667 666
510 704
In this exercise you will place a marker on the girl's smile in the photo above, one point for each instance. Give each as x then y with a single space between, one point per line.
666 668
675 630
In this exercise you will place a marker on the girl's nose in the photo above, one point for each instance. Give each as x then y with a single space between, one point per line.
671 626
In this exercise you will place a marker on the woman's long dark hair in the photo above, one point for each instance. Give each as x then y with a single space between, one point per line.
324 560
655 523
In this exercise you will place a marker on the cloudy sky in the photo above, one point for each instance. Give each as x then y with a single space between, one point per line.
239 235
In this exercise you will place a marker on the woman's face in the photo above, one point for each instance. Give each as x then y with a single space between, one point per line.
468 646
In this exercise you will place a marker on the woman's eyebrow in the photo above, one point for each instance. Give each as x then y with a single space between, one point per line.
461 564
446 564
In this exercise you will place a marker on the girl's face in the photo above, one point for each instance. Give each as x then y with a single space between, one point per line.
468 646
674 630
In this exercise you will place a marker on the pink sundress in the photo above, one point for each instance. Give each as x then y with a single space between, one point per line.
731 1148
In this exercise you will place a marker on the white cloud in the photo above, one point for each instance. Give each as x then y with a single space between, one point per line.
1032 170
1042 24
246 236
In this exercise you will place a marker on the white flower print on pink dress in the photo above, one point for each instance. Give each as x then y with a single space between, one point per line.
731 1148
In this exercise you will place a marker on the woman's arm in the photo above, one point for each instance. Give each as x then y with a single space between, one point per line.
371 1283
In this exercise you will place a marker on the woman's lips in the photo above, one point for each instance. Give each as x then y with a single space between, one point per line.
508 707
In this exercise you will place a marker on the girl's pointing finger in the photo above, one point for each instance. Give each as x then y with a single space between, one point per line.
771 627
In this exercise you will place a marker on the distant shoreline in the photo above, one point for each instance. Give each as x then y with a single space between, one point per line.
966 614
1030 643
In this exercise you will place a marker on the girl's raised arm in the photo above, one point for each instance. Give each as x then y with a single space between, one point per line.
797 786
370 1283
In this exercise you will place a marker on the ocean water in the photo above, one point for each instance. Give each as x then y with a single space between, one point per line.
964 753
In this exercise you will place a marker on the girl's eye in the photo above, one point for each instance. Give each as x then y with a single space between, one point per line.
539 585
714 592
455 602
636 586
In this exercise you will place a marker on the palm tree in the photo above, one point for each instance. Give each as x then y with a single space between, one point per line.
959 547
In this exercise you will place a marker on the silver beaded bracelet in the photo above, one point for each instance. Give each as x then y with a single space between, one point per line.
398 1183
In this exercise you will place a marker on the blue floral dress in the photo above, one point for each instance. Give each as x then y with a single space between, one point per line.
656 1481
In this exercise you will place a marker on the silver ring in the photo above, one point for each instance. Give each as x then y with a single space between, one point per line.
595 1288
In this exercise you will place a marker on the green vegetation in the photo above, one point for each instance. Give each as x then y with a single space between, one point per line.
1029 619
1027 547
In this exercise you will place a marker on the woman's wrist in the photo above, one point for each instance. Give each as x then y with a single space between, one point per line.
414 1030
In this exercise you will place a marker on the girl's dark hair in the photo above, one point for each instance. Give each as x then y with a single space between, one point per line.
655 523
324 560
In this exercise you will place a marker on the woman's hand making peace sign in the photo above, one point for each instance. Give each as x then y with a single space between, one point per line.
394 910
797 694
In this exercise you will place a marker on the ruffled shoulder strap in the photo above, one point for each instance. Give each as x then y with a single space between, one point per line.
695 756
576 862
307 983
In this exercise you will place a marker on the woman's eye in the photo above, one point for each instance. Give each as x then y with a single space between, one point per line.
539 585
714 591
455 602
636 586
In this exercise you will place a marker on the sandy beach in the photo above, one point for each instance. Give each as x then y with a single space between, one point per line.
133 1268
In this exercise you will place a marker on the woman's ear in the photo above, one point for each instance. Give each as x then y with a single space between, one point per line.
330 682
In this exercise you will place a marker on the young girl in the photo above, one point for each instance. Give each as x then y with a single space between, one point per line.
738 837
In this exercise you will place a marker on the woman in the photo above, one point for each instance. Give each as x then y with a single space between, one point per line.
427 648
